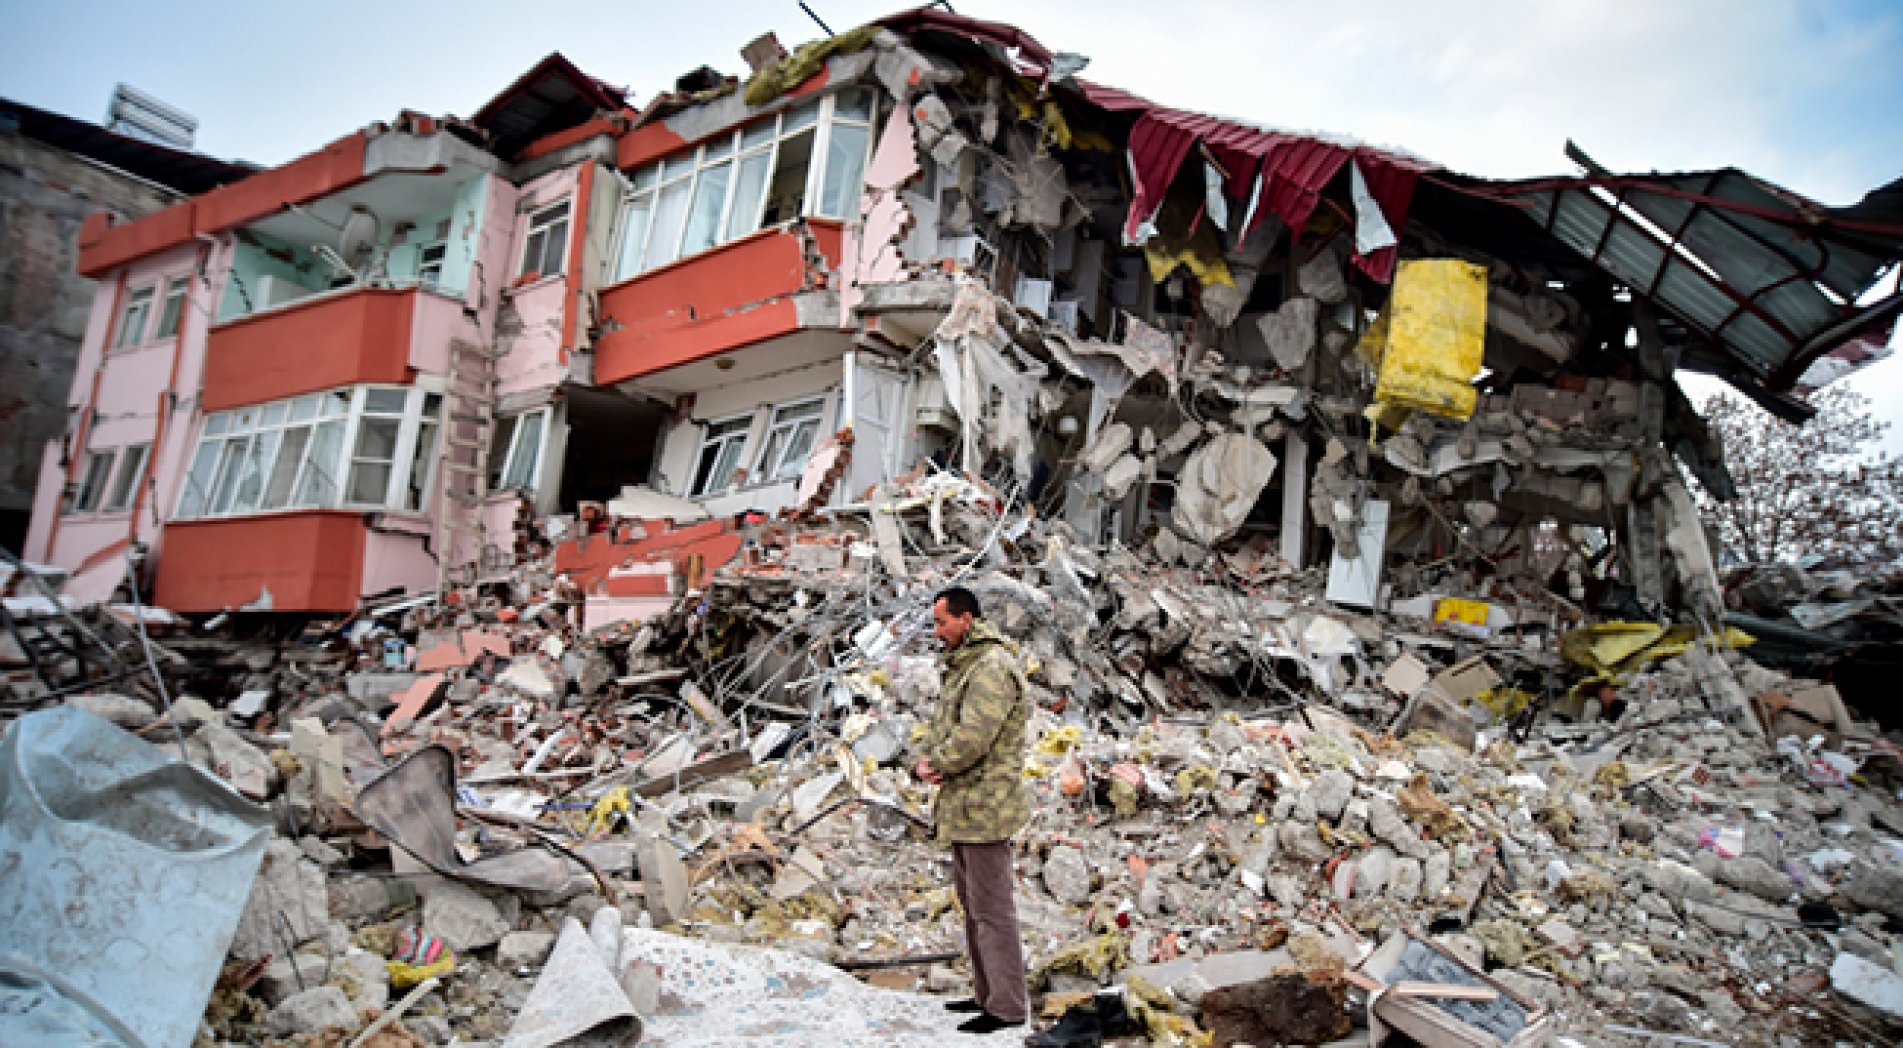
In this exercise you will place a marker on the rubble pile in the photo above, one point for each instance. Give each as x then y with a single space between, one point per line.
1247 799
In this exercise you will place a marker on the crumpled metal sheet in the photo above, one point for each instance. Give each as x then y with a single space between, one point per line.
414 804
125 872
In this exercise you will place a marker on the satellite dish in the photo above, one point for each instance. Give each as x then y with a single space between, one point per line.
359 239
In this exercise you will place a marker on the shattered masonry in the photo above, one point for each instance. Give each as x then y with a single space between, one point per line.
565 603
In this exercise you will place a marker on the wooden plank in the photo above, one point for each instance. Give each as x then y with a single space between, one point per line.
1449 991
712 768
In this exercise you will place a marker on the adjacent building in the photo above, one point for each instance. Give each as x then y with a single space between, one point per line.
352 377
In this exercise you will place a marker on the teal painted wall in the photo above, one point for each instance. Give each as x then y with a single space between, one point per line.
251 261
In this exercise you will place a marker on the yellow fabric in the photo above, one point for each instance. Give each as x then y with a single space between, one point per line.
403 976
1434 337
613 804
1616 650
1454 609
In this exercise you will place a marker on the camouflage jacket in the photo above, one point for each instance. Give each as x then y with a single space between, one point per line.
976 740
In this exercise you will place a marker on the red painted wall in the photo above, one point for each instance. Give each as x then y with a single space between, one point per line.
310 561
337 340
731 296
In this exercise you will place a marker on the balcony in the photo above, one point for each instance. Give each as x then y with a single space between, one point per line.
740 293
342 338
306 561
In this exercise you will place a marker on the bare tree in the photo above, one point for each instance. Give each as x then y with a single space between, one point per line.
1821 488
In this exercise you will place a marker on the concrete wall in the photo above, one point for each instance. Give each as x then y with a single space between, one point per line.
45 193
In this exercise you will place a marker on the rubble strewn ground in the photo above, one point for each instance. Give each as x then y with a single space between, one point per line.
1222 800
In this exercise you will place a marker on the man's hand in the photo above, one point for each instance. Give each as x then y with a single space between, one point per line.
926 773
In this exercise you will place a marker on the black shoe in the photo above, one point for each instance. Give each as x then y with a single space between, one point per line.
1079 1028
985 1022
1112 1017
964 1004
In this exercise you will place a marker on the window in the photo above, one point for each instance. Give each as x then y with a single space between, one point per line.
425 453
720 455
172 307
790 439
429 264
547 243
291 453
759 176
92 483
515 454
126 486
133 319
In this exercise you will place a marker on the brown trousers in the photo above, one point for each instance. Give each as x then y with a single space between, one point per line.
982 875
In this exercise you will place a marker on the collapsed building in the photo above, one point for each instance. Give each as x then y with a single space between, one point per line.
595 466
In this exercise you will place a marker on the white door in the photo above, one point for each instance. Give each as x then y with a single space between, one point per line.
878 426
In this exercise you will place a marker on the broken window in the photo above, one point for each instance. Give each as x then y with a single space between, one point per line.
425 454
172 307
789 439
547 243
429 264
133 320
515 455
290 454
126 485
92 483
720 455
739 182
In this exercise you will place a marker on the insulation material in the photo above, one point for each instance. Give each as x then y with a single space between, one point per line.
970 347
1435 337
1218 486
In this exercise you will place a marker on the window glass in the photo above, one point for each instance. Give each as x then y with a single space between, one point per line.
720 455
499 445
126 485
845 171
92 483
429 264
198 481
749 188
277 491
216 424
644 178
274 414
758 135
252 472
336 403
303 409
526 452
230 467
634 235
133 319
385 401
547 241
424 453
806 114
173 306
372 461
710 196
318 487
786 194
790 439
719 149
670 216
853 105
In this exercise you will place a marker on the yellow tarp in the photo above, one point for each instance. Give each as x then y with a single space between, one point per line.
1616 650
1454 609
1430 339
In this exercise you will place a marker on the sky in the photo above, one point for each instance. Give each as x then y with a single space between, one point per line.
1806 93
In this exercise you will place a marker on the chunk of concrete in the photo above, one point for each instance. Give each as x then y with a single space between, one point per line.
1067 876
524 949
1870 985
1330 792
312 1011
664 881
461 918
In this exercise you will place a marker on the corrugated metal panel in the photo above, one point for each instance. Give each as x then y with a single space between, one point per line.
1632 256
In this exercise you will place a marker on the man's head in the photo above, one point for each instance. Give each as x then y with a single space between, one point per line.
952 615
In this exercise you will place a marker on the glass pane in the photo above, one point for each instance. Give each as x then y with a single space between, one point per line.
810 409
786 199
499 450
198 481
770 458
645 178
376 439
634 234
230 465
217 424
419 465
757 135
724 465
244 421
845 170
432 405
319 486
806 114
274 414
751 187
719 149
251 475
303 409
670 214
679 167
385 401
277 492
336 403
369 481
800 446
853 105
131 465
730 426
168 315
528 449
710 195
555 250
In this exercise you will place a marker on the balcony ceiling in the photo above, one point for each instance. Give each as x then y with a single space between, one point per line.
392 198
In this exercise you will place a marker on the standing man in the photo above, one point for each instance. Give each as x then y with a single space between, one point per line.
974 752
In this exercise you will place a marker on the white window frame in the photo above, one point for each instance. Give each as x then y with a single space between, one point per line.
429 272
172 308
541 220
515 456
766 472
644 184
711 441
125 486
130 334
226 454
93 481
